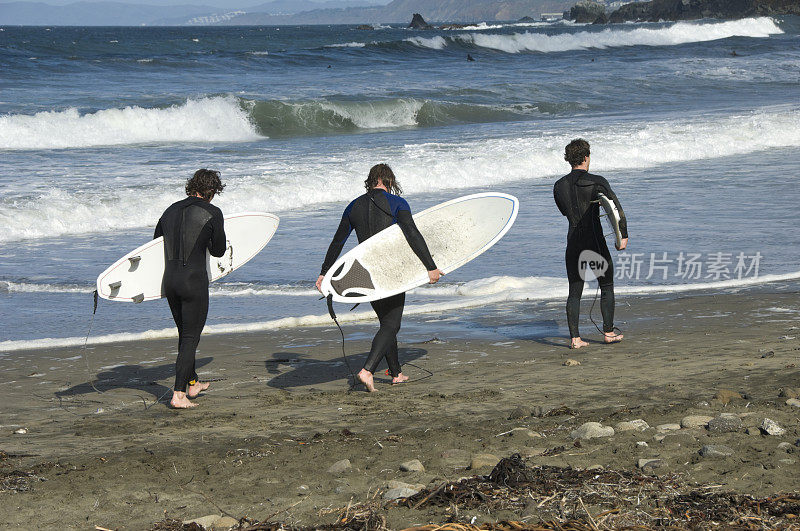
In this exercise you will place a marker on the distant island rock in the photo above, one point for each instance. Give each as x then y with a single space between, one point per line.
527 19
417 22
365 27
588 11
453 26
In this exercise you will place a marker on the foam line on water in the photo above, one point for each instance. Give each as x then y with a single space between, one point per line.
215 119
481 292
679 33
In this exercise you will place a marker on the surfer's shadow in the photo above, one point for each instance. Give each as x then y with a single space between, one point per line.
304 370
135 377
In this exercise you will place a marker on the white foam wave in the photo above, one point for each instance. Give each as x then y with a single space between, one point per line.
483 26
379 114
347 45
435 43
679 33
217 119
264 52
283 184
481 292
27 287
216 289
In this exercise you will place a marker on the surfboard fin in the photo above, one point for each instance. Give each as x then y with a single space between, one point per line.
134 259
138 298
115 285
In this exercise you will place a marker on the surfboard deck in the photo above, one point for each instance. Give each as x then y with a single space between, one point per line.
612 216
136 277
456 231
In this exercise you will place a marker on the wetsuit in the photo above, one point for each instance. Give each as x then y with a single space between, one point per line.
574 195
368 215
189 227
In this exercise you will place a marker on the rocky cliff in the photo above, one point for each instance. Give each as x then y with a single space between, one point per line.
656 10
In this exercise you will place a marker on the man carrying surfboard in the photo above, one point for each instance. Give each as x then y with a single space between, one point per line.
587 256
369 214
189 227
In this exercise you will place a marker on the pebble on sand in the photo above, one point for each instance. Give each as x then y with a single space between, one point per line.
483 460
725 423
695 421
646 464
770 427
339 467
794 402
413 465
789 392
214 521
752 430
786 447
399 492
716 450
20 431
668 427
632 425
591 430
571 363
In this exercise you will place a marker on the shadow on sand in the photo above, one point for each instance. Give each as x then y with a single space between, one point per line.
134 377
304 370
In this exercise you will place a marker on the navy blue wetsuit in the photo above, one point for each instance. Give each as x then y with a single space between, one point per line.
575 195
189 228
368 215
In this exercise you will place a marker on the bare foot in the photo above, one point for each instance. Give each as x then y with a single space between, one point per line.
577 343
612 337
365 377
400 378
196 389
180 401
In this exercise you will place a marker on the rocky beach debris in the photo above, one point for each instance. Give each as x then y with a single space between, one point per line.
591 430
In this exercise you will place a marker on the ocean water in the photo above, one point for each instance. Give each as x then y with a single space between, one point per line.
100 127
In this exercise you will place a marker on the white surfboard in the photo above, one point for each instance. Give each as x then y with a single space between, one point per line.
612 216
136 277
456 232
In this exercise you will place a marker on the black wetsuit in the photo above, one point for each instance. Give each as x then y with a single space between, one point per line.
368 215
575 195
189 228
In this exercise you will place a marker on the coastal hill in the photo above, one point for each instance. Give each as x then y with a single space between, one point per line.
590 11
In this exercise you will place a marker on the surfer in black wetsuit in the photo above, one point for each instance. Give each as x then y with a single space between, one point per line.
576 197
369 214
189 227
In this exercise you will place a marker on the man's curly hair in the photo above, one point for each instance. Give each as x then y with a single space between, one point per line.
206 183
576 152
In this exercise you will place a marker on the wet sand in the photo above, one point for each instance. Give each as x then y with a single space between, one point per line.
263 438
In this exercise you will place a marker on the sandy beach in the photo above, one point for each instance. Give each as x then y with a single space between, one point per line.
264 441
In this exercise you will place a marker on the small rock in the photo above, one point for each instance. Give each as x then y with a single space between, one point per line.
695 421
595 467
339 467
645 464
659 438
668 427
642 444
786 461
703 404
483 460
770 427
789 392
752 430
786 447
571 363
725 423
20 431
716 450
303 489
519 413
400 492
204 521
591 430
724 396
413 465
769 354
632 425
794 402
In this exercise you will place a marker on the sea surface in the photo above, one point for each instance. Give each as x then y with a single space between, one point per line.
695 124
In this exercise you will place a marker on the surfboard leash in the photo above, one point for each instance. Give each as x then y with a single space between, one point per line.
85 354
329 301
